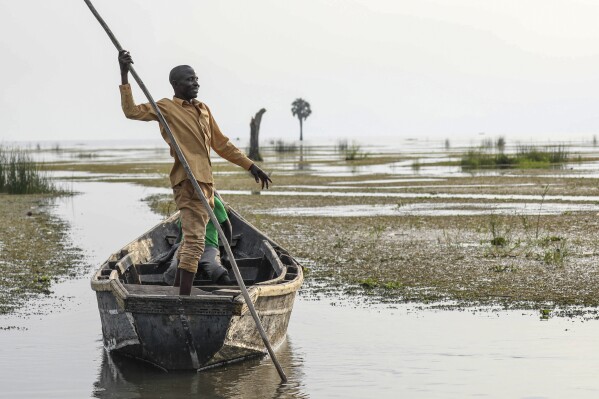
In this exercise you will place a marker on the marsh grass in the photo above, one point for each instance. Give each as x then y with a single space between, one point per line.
354 152
506 243
19 174
525 157
341 145
84 155
557 250
281 146
500 144
486 143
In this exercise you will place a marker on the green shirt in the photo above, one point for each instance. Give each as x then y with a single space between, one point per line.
221 216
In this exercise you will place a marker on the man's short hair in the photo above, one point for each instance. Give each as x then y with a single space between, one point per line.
176 72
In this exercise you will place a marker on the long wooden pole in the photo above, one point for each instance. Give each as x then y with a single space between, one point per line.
199 192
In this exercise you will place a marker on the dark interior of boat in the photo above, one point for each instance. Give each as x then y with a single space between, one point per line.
258 259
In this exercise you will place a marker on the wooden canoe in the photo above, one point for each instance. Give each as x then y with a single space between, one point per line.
144 318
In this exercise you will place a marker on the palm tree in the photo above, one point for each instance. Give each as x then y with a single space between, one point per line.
301 109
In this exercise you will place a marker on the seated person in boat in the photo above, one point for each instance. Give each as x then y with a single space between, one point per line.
196 132
210 264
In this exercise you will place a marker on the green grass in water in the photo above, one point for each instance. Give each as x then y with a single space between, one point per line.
525 157
19 174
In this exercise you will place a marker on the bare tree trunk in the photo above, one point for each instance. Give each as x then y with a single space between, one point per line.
301 130
254 133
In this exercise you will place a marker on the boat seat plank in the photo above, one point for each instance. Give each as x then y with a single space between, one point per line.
159 290
168 291
151 278
226 291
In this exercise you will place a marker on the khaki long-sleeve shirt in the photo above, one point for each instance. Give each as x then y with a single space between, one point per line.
194 129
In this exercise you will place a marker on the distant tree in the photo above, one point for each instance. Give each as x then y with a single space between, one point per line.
301 109
254 133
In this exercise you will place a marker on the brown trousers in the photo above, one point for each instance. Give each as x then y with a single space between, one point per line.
194 218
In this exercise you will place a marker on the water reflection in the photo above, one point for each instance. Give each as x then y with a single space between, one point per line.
123 378
301 165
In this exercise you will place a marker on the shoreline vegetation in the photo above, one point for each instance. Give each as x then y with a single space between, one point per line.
34 246
35 250
528 258
19 174
525 157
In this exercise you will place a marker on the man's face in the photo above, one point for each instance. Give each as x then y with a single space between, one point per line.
186 84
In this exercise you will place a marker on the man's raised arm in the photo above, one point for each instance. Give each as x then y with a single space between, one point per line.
124 61
142 112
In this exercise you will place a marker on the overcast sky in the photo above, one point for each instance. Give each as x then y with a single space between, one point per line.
369 68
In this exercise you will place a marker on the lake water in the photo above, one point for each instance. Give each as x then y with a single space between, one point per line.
336 348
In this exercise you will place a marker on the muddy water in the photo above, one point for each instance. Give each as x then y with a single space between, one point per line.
336 348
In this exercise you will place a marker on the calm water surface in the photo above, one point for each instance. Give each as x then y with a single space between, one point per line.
336 348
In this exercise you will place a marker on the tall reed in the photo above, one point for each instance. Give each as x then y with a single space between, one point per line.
282 146
19 174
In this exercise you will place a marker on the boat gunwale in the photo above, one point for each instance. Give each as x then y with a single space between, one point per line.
277 286
113 283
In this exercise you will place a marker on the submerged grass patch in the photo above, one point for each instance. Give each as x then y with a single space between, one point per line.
35 250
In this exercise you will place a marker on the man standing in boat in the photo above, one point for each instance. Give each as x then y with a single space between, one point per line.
196 131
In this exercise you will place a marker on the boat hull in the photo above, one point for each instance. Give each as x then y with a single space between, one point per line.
195 338
146 319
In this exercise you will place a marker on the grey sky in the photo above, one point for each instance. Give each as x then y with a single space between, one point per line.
369 68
